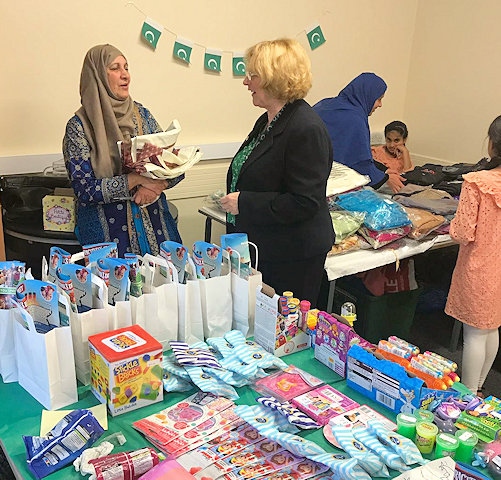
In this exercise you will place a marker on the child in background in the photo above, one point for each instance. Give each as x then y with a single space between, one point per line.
474 296
394 154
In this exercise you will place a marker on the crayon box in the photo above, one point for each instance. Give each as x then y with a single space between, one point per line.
126 369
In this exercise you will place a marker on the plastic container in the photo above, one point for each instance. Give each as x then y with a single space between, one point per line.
378 317
349 312
424 415
447 445
406 425
467 442
426 434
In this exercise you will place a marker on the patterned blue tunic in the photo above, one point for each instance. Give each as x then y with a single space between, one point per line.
104 210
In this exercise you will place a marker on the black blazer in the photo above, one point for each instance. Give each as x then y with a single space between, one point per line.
282 186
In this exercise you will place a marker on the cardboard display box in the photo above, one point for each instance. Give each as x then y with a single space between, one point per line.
126 369
272 330
333 339
59 213
388 383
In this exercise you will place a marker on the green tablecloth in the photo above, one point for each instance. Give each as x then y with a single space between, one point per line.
21 415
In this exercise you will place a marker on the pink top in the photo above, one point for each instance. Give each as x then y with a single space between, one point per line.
474 297
380 154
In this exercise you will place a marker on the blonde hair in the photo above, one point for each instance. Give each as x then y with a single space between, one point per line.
283 66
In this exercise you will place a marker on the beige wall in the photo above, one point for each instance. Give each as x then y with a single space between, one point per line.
454 89
43 45
439 58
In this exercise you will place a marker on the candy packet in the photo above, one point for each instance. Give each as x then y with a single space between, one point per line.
177 254
11 274
208 259
81 282
99 250
41 300
57 257
136 280
237 245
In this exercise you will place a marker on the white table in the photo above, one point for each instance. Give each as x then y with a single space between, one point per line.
349 263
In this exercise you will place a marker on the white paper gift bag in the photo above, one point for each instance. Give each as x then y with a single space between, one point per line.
243 293
8 364
190 323
96 320
215 295
156 310
45 362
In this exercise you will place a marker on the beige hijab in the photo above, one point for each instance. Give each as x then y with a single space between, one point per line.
106 119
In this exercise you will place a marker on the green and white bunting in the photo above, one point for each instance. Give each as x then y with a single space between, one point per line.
238 64
151 32
183 49
212 60
315 36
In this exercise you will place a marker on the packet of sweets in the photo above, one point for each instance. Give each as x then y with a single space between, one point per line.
65 283
237 245
57 257
81 279
136 280
116 271
41 300
177 254
208 259
105 249
11 274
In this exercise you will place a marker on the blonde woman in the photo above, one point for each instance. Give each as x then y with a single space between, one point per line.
276 182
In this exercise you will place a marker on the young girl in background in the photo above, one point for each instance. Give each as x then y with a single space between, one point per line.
394 154
474 293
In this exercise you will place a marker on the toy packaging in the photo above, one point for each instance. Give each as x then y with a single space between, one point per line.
333 339
323 403
287 384
126 369
484 419
170 423
272 330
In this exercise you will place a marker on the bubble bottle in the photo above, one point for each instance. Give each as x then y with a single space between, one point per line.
349 312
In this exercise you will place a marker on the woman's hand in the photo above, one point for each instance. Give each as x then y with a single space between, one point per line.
229 203
144 196
395 180
155 185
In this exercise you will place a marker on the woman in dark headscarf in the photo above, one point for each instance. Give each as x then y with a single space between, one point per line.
113 205
346 118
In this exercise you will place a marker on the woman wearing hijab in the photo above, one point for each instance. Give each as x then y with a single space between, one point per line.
277 180
113 205
346 117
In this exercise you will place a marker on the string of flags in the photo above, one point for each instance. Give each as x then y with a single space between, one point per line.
151 32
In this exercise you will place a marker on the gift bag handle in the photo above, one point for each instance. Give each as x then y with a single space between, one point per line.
235 252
